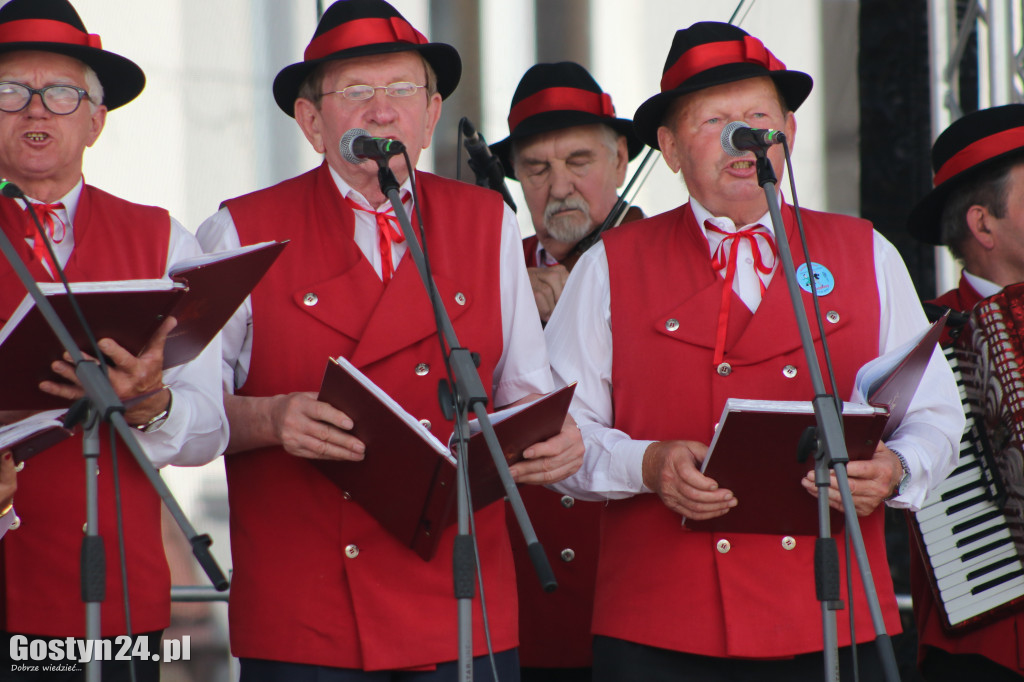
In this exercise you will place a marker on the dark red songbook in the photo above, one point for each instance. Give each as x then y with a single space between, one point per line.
407 479
202 294
754 450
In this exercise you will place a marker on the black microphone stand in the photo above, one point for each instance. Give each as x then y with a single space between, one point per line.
485 165
467 394
101 404
830 454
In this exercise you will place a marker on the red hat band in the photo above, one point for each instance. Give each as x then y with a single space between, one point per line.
561 99
979 152
709 55
360 32
46 31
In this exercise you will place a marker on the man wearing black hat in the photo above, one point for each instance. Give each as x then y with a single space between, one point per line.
669 317
320 588
570 153
976 209
56 86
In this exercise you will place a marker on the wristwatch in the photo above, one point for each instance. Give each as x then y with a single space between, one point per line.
901 487
159 418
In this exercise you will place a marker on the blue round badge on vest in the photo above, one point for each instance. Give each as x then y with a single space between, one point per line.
824 282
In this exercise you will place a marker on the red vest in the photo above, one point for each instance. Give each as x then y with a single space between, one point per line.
317 580
554 627
41 595
530 250
1001 640
662 585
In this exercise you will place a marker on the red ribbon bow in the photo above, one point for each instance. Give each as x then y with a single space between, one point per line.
48 216
719 260
388 233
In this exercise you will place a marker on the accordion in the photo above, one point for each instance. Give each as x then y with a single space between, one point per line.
971 527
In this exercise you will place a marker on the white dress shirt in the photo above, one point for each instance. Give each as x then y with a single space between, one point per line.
196 430
580 344
523 366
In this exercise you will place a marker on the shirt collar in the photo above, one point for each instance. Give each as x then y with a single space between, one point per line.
70 200
347 190
982 285
726 224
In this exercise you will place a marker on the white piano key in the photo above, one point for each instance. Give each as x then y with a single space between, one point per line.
956 553
969 606
952 580
943 538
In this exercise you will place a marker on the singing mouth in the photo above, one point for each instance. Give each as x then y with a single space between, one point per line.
37 137
741 165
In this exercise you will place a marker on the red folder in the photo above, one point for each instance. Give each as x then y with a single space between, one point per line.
31 435
204 293
407 479
755 444
754 454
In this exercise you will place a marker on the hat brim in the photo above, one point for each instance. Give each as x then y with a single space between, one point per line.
121 78
794 86
443 58
925 220
560 120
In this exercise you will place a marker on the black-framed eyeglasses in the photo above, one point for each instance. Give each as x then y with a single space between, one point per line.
359 93
58 99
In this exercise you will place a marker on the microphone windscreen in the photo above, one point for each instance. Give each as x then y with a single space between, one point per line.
346 142
10 190
727 133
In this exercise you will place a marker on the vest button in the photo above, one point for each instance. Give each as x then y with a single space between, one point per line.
788 542
832 316
723 546
789 371
460 298
310 299
425 423
16 523
568 501
724 369
568 554
346 495
422 369
672 324
351 551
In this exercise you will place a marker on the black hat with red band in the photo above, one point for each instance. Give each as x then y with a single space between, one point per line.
54 26
359 28
711 53
963 152
556 96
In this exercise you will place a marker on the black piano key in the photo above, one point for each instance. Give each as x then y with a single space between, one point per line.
998 581
959 506
995 566
965 526
986 548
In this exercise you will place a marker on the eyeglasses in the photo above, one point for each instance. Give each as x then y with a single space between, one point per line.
58 99
359 93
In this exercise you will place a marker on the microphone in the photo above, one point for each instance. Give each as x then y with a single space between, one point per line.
738 138
486 166
357 144
10 190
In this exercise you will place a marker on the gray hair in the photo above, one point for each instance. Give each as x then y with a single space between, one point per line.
989 190
94 88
